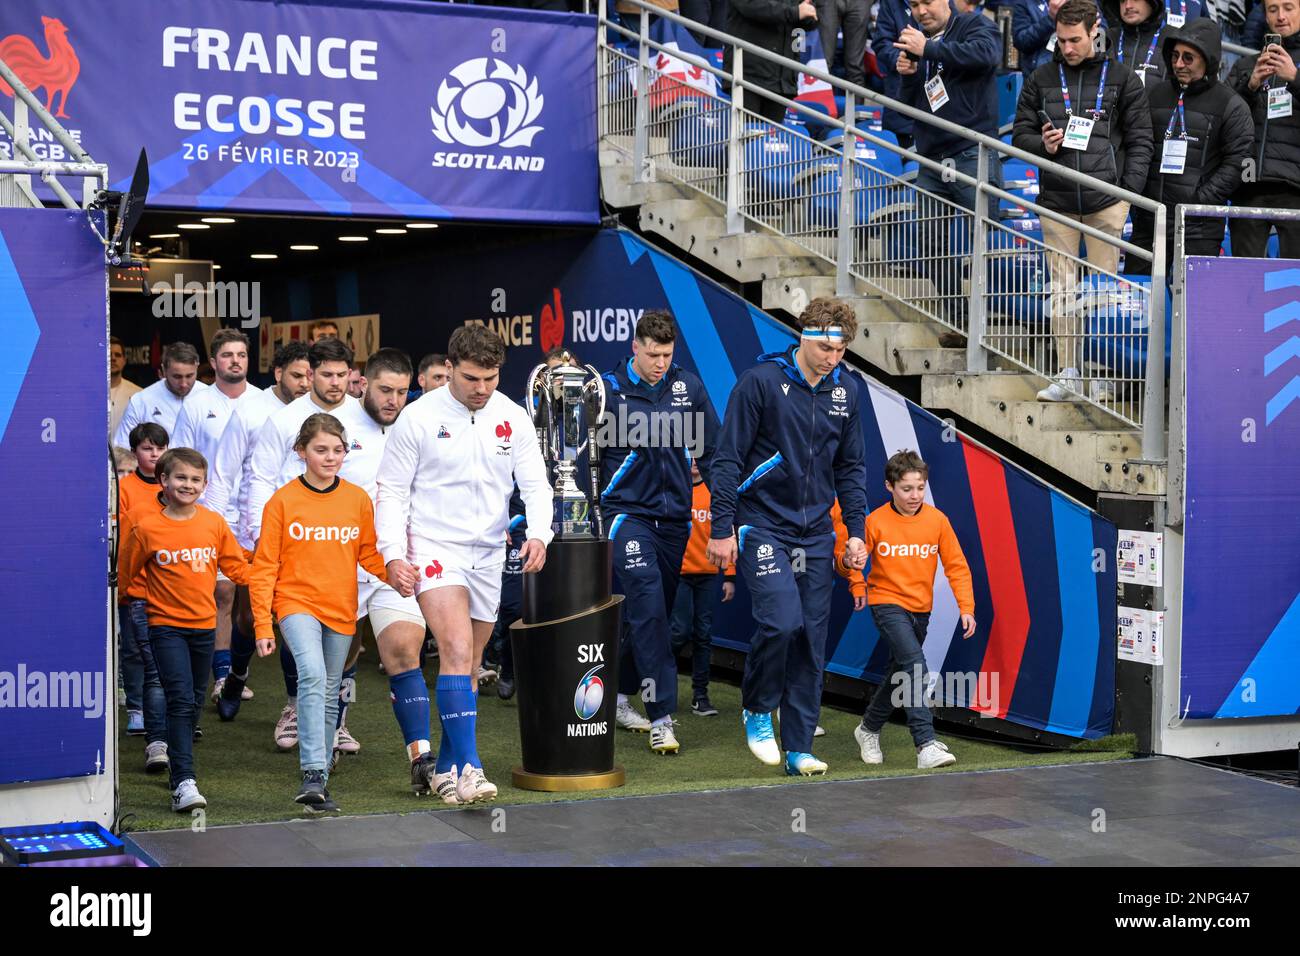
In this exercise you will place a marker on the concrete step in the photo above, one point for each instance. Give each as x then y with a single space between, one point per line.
1102 453
1066 416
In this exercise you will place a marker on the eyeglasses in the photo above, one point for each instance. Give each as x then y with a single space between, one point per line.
1187 57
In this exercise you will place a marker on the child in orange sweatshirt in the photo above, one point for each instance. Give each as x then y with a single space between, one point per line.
315 531
179 549
139 484
905 539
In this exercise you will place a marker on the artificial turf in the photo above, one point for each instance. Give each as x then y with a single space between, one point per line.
247 780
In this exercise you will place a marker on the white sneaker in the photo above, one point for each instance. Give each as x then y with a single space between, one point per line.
216 688
155 757
627 717
933 755
286 728
246 693
663 740
1101 390
444 785
1066 387
474 787
486 675
868 745
346 742
186 796
819 731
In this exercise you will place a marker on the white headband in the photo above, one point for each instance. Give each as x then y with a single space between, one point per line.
832 333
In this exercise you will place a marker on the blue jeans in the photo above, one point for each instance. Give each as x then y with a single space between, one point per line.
697 595
184 657
943 255
319 654
128 656
154 700
903 631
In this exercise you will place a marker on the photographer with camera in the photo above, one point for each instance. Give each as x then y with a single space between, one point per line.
1267 82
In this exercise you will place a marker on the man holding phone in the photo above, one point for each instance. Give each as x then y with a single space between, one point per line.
1267 82
1090 113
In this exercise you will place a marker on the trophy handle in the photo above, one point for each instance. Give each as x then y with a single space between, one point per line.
594 399
534 395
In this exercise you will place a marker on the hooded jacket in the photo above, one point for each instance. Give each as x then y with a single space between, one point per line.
644 469
1119 150
1138 47
1277 141
966 56
787 449
1219 131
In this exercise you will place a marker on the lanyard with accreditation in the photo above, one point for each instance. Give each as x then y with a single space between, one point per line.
1173 159
1141 71
1079 129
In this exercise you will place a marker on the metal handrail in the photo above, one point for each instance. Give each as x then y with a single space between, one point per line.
1152 421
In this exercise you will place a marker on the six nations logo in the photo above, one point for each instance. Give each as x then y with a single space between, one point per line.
487 106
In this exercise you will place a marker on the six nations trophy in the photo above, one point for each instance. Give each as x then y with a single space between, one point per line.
566 646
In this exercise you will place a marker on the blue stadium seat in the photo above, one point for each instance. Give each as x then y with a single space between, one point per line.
698 132
1009 85
1116 326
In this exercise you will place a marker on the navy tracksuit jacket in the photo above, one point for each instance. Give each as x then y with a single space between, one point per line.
787 450
646 496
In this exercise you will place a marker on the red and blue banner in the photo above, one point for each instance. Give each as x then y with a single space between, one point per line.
56 687
338 107
1043 567
1241 548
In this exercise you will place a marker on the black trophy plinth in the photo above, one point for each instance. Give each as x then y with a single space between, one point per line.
566 670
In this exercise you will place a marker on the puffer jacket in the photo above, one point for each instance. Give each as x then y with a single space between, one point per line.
769 24
1277 141
1220 133
1120 148
1137 47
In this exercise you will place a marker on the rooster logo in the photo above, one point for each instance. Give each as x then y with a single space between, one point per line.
433 570
503 431
57 72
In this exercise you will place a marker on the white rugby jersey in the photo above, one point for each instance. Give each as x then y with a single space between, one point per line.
274 461
228 486
157 403
447 475
201 423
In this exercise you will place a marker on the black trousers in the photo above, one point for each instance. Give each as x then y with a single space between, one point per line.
1144 228
1250 236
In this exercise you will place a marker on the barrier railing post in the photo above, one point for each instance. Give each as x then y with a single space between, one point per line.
844 234
641 131
735 137
976 357
1153 412
1175 477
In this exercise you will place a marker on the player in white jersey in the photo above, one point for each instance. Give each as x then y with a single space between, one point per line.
227 495
441 515
161 402
274 463
200 424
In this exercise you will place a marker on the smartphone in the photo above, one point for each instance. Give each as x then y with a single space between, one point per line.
1272 39
1045 120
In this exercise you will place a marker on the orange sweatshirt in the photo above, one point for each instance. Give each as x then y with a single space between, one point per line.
857 584
904 551
133 490
133 590
307 557
694 561
179 560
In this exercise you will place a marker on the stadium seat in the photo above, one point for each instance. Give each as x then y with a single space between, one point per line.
1116 323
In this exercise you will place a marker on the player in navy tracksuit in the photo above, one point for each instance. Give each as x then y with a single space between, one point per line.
662 418
791 442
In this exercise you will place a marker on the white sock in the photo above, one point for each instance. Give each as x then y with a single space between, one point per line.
660 721
622 699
